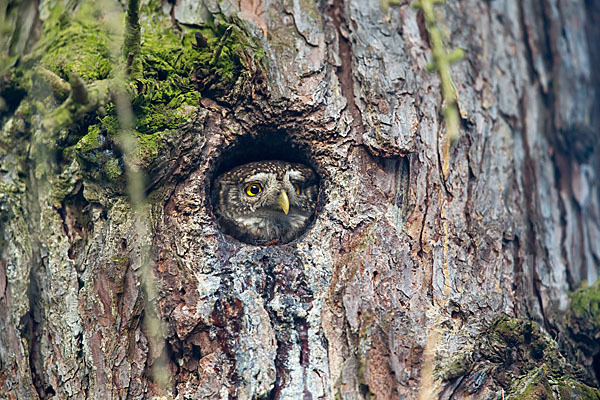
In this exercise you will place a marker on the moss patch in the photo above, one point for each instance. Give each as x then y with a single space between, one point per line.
458 366
540 384
526 335
581 322
518 357
543 371
176 66
75 42
179 65
584 311
571 389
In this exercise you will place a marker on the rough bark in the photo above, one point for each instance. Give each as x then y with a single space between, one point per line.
402 286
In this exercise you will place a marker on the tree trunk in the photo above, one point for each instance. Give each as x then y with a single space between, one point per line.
412 282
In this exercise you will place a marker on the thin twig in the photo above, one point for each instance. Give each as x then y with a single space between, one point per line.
131 45
220 45
137 194
60 87
82 100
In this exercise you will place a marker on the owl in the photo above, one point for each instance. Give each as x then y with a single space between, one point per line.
265 202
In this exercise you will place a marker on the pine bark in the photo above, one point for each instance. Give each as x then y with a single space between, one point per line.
404 273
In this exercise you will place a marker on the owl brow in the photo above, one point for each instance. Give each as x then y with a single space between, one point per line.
296 175
261 176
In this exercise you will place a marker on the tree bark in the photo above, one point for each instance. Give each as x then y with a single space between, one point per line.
410 283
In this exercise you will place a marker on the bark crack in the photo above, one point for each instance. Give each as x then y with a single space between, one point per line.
423 220
529 181
549 103
335 10
533 74
302 35
30 330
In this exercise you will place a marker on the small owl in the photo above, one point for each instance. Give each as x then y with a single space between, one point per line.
265 202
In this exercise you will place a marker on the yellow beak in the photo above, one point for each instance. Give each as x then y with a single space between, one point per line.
284 202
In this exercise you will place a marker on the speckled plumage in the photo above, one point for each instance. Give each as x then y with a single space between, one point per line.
260 219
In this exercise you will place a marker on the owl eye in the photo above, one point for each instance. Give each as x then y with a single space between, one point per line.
297 187
253 189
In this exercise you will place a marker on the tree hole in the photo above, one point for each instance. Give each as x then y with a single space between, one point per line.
264 189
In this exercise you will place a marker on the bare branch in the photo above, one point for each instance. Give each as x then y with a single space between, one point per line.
59 86
82 100
79 92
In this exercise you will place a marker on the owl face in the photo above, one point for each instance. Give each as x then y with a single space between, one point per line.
265 201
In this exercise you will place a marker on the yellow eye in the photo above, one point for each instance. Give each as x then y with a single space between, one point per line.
253 189
297 188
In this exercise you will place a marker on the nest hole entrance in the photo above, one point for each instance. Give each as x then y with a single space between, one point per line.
269 146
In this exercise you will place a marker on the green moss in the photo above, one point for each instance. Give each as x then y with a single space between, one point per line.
89 141
540 383
178 65
112 169
75 42
459 366
149 145
509 330
109 124
571 389
538 369
60 189
95 153
585 307
531 386
515 332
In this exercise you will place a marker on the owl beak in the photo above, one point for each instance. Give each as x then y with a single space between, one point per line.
284 202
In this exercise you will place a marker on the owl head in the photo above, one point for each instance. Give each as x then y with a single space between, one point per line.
265 202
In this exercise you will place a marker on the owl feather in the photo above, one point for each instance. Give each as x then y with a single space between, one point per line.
265 202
